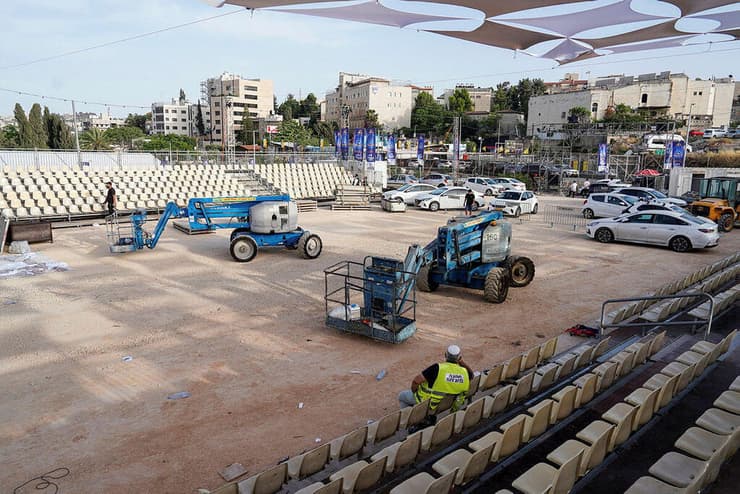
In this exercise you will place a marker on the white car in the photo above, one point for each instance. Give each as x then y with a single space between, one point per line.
407 193
640 206
679 231
485 186
647 194
515 203
437 179
507 183
606 205
447 198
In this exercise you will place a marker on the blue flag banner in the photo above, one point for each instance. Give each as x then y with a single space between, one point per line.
679 149
604 157
668 156
420 149
345 143
370 143
391 149
358 146
337 142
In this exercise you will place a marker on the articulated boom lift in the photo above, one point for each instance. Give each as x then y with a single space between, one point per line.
257 221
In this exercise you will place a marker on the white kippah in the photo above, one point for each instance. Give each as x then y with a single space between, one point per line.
453 350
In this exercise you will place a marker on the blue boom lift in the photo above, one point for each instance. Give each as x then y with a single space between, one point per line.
257 221
377 298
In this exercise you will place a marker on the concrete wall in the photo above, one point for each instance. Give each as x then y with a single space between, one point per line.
681 178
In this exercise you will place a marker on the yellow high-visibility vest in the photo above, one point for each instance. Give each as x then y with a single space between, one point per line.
452 379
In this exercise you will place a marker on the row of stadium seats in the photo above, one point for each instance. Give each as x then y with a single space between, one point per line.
304 180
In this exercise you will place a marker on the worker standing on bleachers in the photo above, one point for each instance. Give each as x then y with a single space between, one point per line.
451 377
110 199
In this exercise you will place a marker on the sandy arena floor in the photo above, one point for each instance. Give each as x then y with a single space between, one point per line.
248 341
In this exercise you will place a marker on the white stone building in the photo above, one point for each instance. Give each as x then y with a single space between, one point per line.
481 97
665 94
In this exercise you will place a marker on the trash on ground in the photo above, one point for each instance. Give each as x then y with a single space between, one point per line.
317 440
178 396
355 371
232 471
19 247
30 264
300 405
380 375
127 358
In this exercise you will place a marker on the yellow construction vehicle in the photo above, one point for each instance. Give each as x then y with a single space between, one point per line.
720 201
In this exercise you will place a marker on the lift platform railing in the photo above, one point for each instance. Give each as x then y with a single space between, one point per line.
669 322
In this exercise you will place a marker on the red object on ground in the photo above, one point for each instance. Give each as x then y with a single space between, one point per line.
647 173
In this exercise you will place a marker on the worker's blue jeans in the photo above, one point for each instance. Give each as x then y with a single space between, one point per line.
406 398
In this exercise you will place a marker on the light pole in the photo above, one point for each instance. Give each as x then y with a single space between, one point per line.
254 147
688 136
480 157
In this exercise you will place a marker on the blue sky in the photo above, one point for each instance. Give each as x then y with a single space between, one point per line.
301 54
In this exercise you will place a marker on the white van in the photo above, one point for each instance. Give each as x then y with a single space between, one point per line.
710 133
654 142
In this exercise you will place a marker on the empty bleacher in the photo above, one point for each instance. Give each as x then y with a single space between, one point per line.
304 180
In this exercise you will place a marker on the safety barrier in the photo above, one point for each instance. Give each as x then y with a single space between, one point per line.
557 216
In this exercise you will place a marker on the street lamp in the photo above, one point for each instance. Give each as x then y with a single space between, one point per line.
688 136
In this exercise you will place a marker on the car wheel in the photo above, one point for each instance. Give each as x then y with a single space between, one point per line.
534 209
726 222
424 280
517 213
680 244
488 192
521 270
309 246
434 206
604 235
588 213
243 248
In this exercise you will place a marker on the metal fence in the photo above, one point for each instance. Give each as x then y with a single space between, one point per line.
555 216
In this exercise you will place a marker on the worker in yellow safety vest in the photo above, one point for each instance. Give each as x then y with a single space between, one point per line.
451 377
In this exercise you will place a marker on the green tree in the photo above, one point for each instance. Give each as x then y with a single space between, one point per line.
309 107
488 127
292 131
164 142
59 133
371 121
428 116
245 134
520 94
199 123
25 137
94 139
579 114
500 100
622 113
122 136
37 127
460 102
290 108
136 120
9 137
323 130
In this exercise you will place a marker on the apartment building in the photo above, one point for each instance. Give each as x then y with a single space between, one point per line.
481 97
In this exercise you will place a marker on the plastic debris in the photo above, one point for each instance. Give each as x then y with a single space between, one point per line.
355 371
317 440
370 421
300 405
381 375
9 302
179 395
127 358
19 247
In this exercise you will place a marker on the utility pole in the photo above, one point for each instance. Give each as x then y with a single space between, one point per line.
77 135
456 145
688 135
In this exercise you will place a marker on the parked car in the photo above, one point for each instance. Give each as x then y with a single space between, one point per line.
509 183
485 186
640 206
710 133
437 179
606 205
398 180
407 193
447 198
696 133
514 202
733 133
679 231
647 194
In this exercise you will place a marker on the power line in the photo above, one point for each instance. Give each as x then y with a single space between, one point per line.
118 41
68 100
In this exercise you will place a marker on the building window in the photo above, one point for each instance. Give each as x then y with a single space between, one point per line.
166 110
643 98
217 122
217 112
695 93
251 88
167 127
183 111
183 120
216 104
700 92
594 107
218 131
562 115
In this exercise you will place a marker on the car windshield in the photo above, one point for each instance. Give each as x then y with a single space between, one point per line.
659 195
692 219
510 195
438 191
629 199
490 181
403 187
515 181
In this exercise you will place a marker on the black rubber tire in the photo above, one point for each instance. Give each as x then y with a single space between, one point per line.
725 222
517 212
496 287
535 208
521 270
588 213
309 246
604 235
488 192
680 244
424 281
434 206
243 248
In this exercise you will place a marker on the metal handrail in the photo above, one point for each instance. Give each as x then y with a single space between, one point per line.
603 326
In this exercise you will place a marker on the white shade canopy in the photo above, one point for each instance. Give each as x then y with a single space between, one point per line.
514 24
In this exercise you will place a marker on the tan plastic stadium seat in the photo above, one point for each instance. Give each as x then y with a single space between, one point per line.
680 471
444 404
583 355
523 386
437 434
545 376
467 465
511 368
469 417
601 347
666 385
491 378
640 350
651 485
529 359
606 373
625 360
543 478
706 446
309 463
267 482
592 454
686 373
411 416
735 386
504 443
423 483
537 420
693 358
586 385
623 423
567 363
474 385
349 444
359 475
565 403
401 453
498 401
383 428
723 423
321 488
547 349
646 400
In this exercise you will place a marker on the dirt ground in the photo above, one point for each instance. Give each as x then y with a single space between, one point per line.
248 341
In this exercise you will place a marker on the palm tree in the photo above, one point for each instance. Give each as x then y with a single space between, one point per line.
94 139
